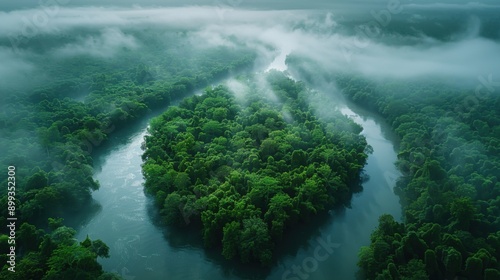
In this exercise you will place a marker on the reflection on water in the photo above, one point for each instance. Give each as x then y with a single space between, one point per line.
325 248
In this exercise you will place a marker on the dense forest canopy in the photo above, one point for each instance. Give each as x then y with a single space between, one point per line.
244 167
50 128
57 125
450 159
249 167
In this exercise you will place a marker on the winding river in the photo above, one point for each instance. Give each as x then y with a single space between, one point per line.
140 248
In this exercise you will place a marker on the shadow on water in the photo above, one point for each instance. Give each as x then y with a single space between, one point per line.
295 239
122 135
100 152
190 237
144 248
386 132
119 137
83 217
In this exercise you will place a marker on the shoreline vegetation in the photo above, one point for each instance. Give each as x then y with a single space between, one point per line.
50 132
252 159
246 167
449 156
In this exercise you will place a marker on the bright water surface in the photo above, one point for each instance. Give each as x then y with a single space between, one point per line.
141 249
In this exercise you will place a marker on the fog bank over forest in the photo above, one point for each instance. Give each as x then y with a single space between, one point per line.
77 75
259 4
371 46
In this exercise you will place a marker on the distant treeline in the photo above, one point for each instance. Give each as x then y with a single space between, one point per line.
449 154
48 133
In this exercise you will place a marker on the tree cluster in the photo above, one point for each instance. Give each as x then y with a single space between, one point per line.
50 131
247 169
55 254
450 190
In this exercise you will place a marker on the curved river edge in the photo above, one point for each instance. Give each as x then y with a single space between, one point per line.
140 248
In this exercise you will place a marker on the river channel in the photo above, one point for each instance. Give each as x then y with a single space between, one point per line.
141 248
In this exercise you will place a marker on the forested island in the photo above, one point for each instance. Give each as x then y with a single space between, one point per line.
51 129
450 158
252 166
246 169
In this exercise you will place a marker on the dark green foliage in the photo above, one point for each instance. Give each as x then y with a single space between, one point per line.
244 172
450 189
50 130
491 274
474 268
431 263
56 255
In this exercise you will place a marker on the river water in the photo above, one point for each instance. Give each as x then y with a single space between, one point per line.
325 248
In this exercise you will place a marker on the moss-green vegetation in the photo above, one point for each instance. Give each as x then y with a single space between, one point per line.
449 155
54 254
450 190
247 169
49 131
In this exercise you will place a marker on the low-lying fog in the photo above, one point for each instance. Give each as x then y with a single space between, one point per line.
369 44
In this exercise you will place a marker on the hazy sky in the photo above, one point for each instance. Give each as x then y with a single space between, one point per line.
316 30
321 38
261 4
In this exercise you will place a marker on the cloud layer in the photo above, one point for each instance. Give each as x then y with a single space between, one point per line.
317 35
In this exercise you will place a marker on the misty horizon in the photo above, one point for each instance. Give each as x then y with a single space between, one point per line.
234 139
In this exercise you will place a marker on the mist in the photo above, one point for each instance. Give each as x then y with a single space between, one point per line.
75 72
369 48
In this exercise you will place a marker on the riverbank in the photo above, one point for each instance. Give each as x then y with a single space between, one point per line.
140 249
